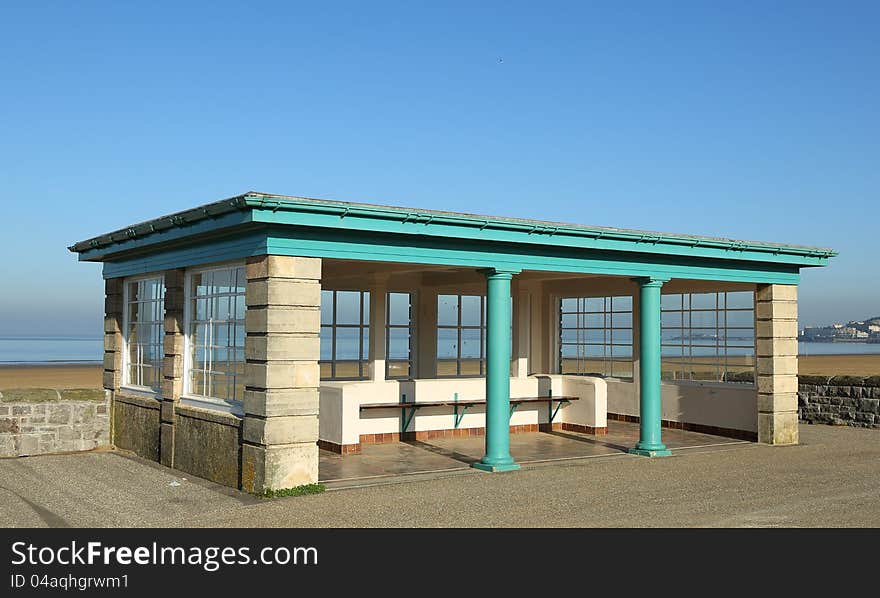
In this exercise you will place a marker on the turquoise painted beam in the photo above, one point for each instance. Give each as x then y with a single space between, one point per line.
648 243
207 252
438 251
452 252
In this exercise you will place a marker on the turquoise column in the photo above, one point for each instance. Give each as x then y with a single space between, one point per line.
650 404
497 457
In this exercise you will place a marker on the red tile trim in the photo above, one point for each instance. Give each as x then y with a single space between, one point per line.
447 433
339 449
689 427
594 430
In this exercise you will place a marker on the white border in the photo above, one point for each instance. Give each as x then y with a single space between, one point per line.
125 385
234 407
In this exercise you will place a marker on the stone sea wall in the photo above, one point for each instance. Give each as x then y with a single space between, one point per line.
42 421
840 400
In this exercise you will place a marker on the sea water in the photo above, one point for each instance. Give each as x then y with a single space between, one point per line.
80 349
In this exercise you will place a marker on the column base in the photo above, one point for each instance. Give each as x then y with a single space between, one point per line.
497 467
664 452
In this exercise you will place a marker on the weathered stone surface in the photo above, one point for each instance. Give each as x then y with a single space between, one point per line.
136 428
111 380
777 347
776 310
207 448
281 266
776 329
60 424
283 319
172 388
166 444
782 401
281 402
280 430
282 347
776 292
777 366
283 291
842 400
777 383
173 344
282 374
277 467
778 427
172 366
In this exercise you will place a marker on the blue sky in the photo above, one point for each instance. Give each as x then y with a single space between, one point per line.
751 120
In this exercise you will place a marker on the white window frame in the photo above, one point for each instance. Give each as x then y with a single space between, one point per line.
126 385
187 398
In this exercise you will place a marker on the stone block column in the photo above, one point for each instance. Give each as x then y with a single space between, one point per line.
172 365
776 330
280 427
113 345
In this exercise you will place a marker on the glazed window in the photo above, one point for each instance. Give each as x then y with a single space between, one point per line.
709 337
345 335
215 334
461 335
399 336
144 327
596 336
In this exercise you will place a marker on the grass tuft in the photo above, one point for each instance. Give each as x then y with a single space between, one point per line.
295 491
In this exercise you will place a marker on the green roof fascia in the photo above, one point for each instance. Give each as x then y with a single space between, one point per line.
262 208
185 230
402 221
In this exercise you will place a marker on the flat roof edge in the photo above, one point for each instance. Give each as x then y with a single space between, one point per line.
265 201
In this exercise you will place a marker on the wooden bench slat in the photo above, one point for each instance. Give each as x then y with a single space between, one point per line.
464 402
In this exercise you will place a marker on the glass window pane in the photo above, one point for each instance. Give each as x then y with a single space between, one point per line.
569 304
399 309
593 304
593 320
447 310
326 307
704 301
740 319
471 310
347 343
447 343
470 342
398 343
622 303
622 320
348 307
326 341
740 300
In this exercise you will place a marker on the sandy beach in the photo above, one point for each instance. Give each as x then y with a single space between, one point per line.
89 375
51 376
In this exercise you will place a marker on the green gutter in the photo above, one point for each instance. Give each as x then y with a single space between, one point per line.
421 216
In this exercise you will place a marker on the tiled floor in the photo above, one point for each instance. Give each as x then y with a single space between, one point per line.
450 454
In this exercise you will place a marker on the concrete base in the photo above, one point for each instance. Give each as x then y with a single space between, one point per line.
650 453
495 468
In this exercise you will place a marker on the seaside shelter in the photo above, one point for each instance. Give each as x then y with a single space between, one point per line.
244 336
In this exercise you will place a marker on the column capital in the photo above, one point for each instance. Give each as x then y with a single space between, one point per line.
651 281
502 273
